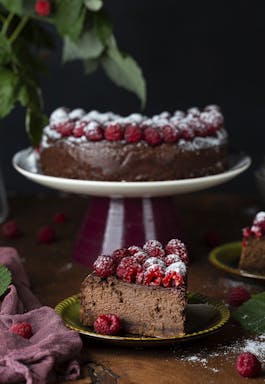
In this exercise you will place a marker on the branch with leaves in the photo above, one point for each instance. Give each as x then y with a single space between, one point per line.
87 35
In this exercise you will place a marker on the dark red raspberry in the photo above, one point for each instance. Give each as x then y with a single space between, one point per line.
22 329
10 229
247 232
104 266
107 324
139 278
170 133
172 279
153 261
154 248
213 120
248 365
212 238
79 127
59 218
66 128
257 231
134 249
197 126
175 246
140 257
120 254
172 258
46 235
114 132
94 132
43 7
186 132
128 269
238 296
152 136
133 133
154 275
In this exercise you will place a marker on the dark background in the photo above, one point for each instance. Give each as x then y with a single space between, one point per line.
192 54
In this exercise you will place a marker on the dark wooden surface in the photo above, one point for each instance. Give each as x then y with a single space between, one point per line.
54 276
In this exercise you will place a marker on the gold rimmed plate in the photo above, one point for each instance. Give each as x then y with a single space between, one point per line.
226 257
204 316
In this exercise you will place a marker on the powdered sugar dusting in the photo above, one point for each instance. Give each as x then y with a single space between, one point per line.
178 267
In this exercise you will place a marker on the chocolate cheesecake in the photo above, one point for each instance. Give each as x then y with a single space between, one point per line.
145 288
253 245
108 147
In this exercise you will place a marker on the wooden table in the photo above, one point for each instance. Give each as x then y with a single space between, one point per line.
54 277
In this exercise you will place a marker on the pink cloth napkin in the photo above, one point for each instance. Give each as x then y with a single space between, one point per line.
49 355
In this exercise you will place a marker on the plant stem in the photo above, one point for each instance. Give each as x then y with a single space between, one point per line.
2 18
7 23
18 29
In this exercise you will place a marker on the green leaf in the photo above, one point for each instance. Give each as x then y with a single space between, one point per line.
91 65
251 314
8 91
93 5
103 27
88 47
14 6
70 17
5 279
125 72
35 122
5 50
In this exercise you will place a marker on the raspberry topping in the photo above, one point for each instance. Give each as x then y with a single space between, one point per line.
170 133
134 249
113 132
10 229
120 254
94 132
46 235
43 7
174 274
153 261
154 248
154 275
22 329
65 129
152 136
172 258
59 218
258 227
248 365
107 324
128 269
79 127
238 296
175 246
104 266
133 133
140 256
186 132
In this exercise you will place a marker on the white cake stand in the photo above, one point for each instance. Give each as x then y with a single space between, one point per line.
125 213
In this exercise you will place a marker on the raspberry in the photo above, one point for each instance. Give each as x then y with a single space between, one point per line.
175 246
22 329
238 296
65 128
134 249
174 274
213 120
257 231
212 107
59 218
46 235
172 258
94 132
170 134
114 132
43 7
197 126
194 111
154 248
128 269
212 238
153 261
120 254
140 257
133 133
78 130
107 324
185 131
248 365
104 266
152 136
10 229
154 275
246 232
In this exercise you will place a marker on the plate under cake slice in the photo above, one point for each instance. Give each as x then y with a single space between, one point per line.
144 287
253 245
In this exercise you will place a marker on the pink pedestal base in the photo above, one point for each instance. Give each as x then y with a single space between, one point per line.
112 223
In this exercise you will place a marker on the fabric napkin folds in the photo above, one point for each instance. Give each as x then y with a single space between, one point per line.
49 354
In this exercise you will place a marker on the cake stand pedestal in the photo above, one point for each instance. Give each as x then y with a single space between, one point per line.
125 213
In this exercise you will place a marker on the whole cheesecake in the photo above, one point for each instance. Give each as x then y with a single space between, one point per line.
108 147
145 288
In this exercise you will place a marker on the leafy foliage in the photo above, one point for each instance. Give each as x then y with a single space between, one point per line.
5 279
251 314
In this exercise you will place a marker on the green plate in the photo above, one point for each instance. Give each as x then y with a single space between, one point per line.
204 316
226 257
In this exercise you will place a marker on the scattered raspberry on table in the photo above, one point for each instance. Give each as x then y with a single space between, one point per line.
248 365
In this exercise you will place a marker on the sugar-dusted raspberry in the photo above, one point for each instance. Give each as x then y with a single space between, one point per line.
186 132
153 261
108 324
248 365
153 275
128 269
172 258
212 107
104 266
65 128
119 254
174 274
43 7
94 131
139 278
133 133
170 134
194 111
154 248
10 229
134 249
237 296
22 329
141 256
176 246
114 132
46 234
79 128
197 126
213 120
152 136
59 218
257 231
